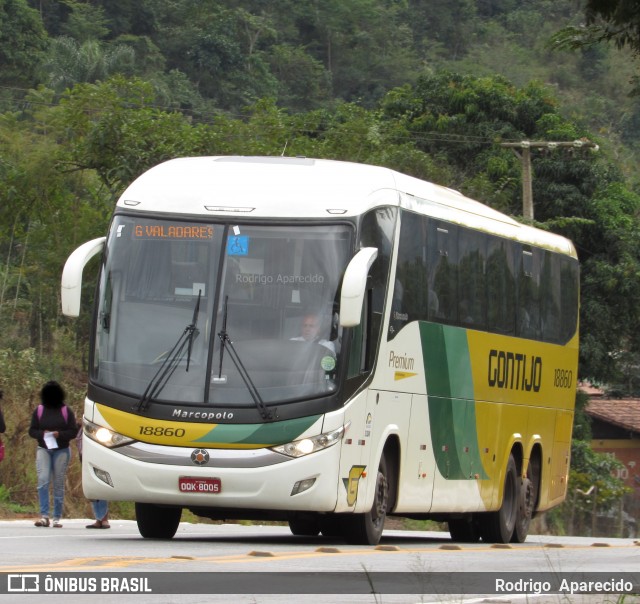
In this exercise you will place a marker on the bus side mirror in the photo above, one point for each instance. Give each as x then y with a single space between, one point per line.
71 286
354 285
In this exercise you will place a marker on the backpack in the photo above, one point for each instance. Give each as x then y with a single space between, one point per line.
64 409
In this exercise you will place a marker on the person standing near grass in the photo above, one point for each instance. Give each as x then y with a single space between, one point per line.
3 426
53 425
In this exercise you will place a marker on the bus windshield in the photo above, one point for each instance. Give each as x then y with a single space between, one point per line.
234 315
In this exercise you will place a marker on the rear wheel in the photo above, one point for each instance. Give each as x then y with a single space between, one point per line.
156 521
498 527
366 529
527 498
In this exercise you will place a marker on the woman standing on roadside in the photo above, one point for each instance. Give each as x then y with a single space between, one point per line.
3 427
53 425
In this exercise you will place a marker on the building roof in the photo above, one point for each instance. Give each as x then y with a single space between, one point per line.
590 390
624 412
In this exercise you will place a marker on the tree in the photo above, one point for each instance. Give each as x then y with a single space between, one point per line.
22 41
610 245
113 129
446 24
303 83
592 487
44 212
462 118
616 21
219 48
69 62
85 22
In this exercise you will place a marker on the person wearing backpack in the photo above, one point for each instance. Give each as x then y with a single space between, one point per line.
3 428
53 425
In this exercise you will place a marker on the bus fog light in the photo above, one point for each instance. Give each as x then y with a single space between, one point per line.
103 475
302 485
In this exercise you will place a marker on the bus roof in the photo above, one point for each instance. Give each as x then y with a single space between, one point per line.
306 188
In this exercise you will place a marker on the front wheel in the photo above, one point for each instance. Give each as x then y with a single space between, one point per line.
331 525
156 521
304 527
366 529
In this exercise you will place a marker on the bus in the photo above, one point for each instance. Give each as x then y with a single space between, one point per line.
326 344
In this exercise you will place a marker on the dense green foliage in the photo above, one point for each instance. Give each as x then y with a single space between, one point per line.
94 93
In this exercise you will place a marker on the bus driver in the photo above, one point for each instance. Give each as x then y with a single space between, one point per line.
309 332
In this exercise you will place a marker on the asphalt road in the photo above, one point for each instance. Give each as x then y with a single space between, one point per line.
251 563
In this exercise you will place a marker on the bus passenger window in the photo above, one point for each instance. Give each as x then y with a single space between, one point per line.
472 279
442 271
529 325
569 279
550 297
501 287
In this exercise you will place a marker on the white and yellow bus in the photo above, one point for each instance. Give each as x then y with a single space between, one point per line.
326 343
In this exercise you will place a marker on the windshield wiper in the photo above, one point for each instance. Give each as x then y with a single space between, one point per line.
172 360
191 329
226 343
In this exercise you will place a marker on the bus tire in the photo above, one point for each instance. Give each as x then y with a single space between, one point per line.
157 522
304 527
527 499
366 529
331 525
464 530
498 527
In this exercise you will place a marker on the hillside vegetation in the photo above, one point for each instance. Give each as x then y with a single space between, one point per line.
94 93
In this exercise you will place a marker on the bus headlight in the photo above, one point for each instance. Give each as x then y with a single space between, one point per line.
104 436
304 446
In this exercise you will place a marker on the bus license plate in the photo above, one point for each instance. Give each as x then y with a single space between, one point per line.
188 484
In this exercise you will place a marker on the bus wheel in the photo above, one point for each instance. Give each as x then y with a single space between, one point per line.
366 529
157 522
464 530
528 495
304 527
498 527
331 525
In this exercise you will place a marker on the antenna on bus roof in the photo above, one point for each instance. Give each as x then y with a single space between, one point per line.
285 148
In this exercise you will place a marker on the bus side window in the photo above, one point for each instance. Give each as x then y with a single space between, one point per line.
528 325
501 287
550 297
443 272
472 298
569 278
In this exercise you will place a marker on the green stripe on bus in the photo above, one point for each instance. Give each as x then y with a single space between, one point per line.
452 415
275 433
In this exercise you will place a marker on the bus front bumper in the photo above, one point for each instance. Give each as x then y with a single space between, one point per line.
249 479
